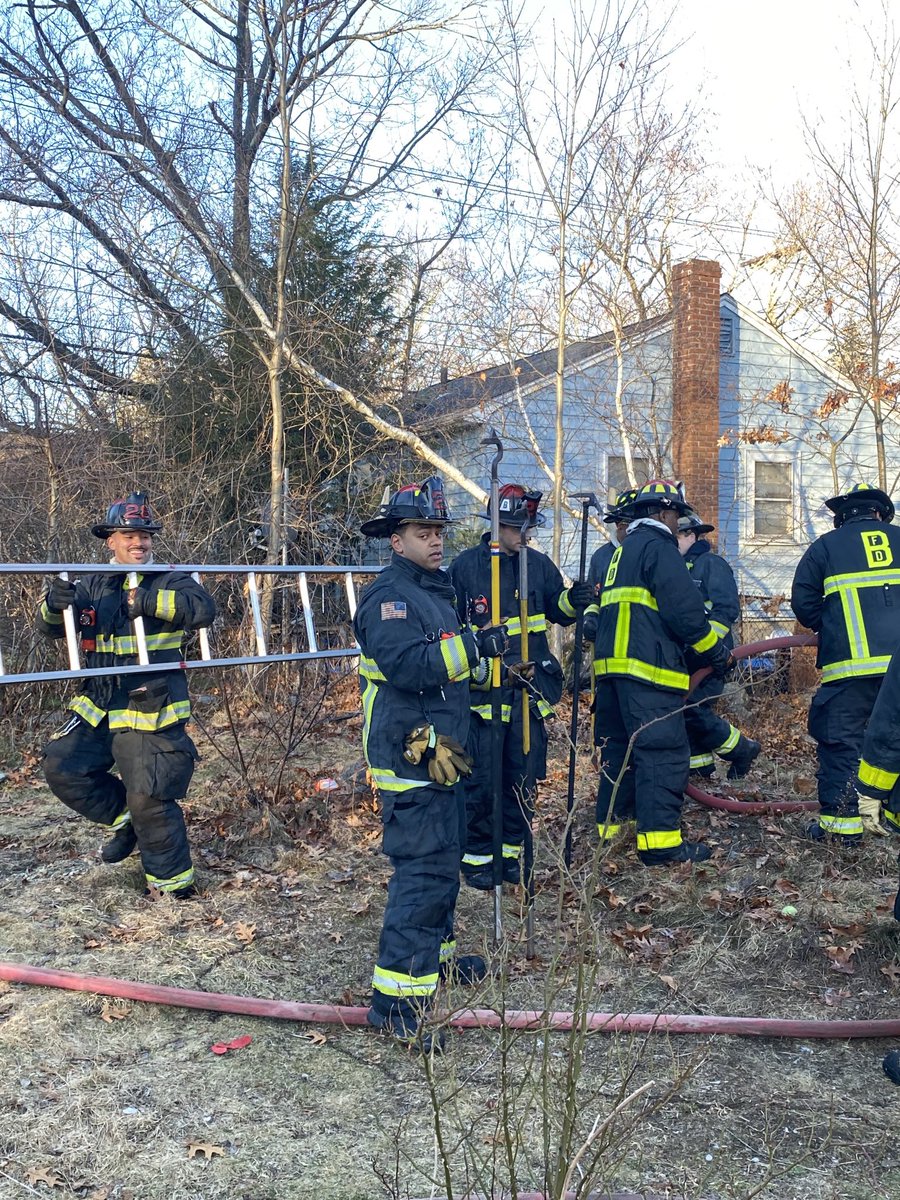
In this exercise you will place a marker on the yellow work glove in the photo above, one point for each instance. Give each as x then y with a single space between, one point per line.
870 811
418 742
449 761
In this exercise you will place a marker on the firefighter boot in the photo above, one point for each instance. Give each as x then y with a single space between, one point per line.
118 848
406 1026
686 852
466 970
815 833
745 752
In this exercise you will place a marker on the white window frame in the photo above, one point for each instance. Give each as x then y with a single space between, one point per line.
759 455
638 458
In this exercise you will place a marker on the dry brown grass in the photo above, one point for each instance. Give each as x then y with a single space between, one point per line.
107 1096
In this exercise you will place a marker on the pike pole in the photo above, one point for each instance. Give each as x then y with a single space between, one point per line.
529 796
588 501
496 693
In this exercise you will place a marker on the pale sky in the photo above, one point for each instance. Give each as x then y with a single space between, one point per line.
761 64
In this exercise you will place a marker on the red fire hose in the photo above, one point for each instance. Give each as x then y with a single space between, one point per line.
754 807
466 1018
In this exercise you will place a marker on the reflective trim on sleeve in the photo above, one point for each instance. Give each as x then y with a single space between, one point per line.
185 879
456 660
706 642
537 623
48 615
544 709
635 669
875 777
659 839
720 629
386 780
87 710
112 644
565 605
165 604
396 983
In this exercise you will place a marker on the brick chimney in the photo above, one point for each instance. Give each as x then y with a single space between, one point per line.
695 383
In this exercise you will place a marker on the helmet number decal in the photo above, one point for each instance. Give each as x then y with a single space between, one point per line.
877 548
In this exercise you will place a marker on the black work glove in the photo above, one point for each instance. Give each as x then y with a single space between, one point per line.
140 603
721 661
519 675
60 594
491 641
449 761
590 627
581 594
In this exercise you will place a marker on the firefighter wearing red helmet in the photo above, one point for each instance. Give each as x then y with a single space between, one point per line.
847 590
133 722
414 668
549 600
651 613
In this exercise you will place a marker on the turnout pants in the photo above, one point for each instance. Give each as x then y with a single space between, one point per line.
838 716
708 733
651 789
423 834
155 770
519 786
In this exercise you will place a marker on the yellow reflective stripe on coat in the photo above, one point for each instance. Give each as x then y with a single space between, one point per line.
857 579
51 617
536 624
456 660
635 669
706 642
128 645
165 604
141 722
623 631
876 778
720 629
185 879
730 742
87 710
484 711
628 595
369 669
851 668
395 983
370 691
659 839
848 826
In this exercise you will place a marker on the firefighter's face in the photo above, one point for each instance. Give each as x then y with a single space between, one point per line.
421 544
511 538
686 539
131 546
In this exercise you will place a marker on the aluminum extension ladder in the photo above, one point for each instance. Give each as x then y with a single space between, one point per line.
350 575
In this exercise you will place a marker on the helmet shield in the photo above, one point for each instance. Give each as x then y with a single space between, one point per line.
518 506
132 512
415 503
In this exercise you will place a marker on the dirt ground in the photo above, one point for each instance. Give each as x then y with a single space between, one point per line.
105 1099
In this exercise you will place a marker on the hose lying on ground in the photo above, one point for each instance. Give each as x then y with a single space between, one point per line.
465 1018
751 808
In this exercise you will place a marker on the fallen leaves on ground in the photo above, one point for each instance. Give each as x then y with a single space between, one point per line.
237 1043
43 1175
245 933
114 1010
205 1148
313 1036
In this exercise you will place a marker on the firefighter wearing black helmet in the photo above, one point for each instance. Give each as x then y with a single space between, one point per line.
847 590
619 516
414 669
651 613
134 722
708 733
549 600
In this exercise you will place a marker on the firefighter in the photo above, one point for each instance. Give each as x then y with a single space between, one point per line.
619 515
539 683
708 733
414 668
847 590
878 776
133 722
650 614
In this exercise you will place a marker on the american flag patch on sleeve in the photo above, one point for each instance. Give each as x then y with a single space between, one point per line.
393 610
